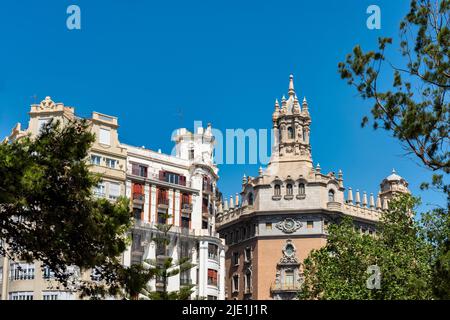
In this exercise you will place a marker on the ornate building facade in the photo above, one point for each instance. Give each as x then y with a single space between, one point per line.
179 190
284 211
30 281
183 186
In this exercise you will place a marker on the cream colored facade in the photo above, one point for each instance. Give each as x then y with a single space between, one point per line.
284 211
107 157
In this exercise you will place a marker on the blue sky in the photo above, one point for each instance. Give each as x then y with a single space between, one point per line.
217 61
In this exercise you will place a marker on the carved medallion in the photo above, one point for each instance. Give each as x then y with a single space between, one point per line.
289 225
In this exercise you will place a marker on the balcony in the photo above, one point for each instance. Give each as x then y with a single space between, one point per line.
163 202
334 206
186 209
285 287
138 198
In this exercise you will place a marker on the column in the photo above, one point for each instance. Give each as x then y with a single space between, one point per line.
203 269
222 274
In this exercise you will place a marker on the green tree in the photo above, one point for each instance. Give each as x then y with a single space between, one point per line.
47 208
415 108
165 267
340 269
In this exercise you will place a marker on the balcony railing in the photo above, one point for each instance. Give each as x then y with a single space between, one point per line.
163 201
285 287
185 282
138 197
186 207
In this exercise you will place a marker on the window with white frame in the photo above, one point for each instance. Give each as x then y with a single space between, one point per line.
96 160
111 163
248 254
57 295
100 190
105 136
1 274
21 295
235 283
248 281
114 190
22 271
48 273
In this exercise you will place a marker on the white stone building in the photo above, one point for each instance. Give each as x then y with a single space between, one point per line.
179 190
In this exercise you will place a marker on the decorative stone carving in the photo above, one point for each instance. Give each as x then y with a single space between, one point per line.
289 254
47 103
289 225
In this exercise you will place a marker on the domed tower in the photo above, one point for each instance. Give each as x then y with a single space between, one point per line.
392 185
291 129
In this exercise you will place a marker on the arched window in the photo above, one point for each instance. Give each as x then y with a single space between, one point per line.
290 133
301 189
277 190
330 195
304 134
289 189
250 199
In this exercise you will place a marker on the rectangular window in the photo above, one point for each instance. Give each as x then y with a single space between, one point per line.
248 254
139 170
310 224
114 190
1 274
137 213
49 296
95 160
185 221
268 225
111 163
48 273
105 136
289 279
212 277
212 251
235 283
21 295
191 154
100 190
22 271
236 258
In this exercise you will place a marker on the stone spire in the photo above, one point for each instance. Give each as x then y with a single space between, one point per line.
237 199
225 205
291 85
350 196
378 200
276 112
340 175
260 171
371 201
364 202
296 108
244 179
357 198
231 202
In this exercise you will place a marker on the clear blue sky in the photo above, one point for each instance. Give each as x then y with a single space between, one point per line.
218 61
